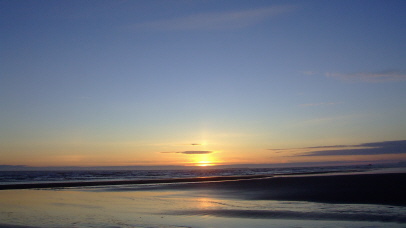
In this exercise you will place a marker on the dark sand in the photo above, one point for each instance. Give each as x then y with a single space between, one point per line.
284 214
389 189
385 188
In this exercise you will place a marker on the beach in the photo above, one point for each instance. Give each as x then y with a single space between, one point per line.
333 200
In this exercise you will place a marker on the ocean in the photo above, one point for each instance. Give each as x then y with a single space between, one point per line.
74 175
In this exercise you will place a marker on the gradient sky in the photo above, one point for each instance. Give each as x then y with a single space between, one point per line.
107 83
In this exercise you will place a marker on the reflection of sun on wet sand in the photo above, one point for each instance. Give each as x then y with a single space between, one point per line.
357 200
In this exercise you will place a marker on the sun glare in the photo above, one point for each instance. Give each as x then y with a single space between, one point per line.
204 163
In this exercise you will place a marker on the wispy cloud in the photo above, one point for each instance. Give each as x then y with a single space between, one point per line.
375 148
190 152
310 149
328 120
309 72
218 20
384 76
319 104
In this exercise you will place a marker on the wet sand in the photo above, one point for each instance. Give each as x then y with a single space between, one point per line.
382 188
388 189
360 200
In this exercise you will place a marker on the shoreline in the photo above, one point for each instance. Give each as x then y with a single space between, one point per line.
350 188
382 188
127 182
109 182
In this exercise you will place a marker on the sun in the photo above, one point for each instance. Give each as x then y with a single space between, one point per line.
204 163
204 160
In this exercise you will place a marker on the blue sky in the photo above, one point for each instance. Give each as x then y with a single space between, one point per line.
120 82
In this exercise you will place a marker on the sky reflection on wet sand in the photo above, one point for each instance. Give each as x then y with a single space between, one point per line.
61 208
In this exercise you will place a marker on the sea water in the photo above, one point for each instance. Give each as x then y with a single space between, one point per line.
74 175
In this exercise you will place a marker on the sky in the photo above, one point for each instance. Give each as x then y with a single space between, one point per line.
202 82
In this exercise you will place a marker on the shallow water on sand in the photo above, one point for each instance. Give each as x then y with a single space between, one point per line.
78 208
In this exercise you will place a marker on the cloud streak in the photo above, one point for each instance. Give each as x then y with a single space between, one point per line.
218 20
319 104
310 149
384 76
375 148
190 152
